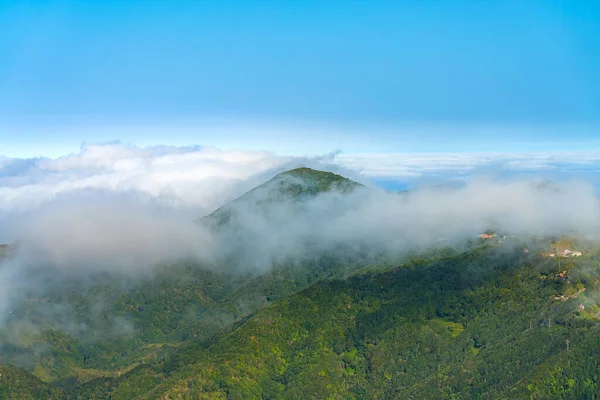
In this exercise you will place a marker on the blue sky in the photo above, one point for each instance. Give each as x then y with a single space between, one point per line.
300 76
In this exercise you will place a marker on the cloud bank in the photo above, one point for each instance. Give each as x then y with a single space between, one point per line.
122 209
395 223
409 167
178 176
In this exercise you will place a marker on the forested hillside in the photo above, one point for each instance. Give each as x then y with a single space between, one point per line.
107 325
485 323
18 384
491 318
287 187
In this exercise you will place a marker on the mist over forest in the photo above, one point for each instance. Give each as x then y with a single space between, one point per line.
124 219
122 259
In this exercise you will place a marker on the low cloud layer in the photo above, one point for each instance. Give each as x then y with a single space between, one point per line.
91 229
180 177
416 166
204 178
394 223
123 209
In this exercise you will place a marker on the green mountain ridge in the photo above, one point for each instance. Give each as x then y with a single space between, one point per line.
485 321
294 185
185 301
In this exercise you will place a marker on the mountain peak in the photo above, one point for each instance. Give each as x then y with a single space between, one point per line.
293 185
324 180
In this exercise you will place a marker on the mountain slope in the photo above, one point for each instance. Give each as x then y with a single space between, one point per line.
120 326
488 322
471 325
80 332
15 383
291 186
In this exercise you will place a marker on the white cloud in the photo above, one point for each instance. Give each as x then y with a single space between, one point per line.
200 178
416 165
121 208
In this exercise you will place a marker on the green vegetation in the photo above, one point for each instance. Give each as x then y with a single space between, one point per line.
486 322
113 328
18 384
474 325
291 186
480 324
300 183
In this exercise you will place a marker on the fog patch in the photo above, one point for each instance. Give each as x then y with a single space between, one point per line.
111 225
395 223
